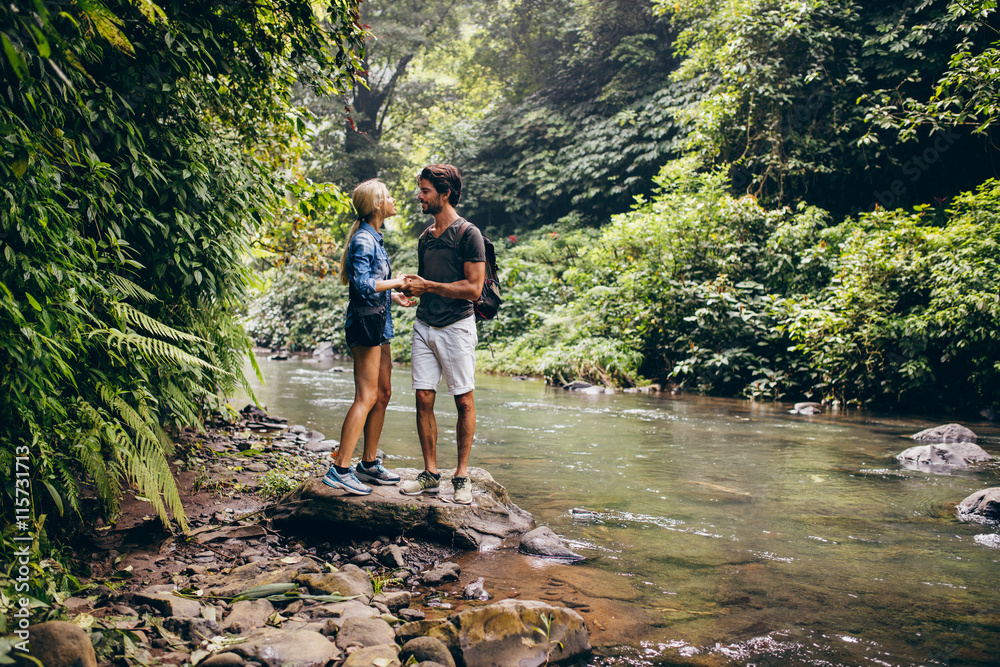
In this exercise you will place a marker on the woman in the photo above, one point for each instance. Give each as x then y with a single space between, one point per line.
365 269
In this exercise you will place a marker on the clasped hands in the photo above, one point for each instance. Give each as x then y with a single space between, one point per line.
406 288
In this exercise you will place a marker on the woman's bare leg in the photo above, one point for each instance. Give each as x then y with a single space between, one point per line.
367 365
376 417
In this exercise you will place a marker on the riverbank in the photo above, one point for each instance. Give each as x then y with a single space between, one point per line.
154 598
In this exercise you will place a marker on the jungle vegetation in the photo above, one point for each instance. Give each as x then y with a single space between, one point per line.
780 199
143 146
775 199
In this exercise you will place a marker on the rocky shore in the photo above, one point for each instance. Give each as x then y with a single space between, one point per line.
311 578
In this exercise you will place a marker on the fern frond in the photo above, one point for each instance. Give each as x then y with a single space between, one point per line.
132 418
70 487
166 444
179 403
141 320
131 289
152 348
104 477
102 472
147 468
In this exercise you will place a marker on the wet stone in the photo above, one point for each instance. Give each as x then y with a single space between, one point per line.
385 655
222 660
394 600
364 632
427 649
441 573
411 614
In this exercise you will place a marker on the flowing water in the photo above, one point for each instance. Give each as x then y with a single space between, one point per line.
718 532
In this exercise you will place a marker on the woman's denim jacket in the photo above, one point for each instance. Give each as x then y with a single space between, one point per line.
368 261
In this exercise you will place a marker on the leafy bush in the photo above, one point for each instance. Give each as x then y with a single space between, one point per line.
913 313
722 296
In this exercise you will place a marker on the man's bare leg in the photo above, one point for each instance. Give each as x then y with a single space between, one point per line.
466 405
427 428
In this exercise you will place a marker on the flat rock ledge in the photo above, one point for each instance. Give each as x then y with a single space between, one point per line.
981 507
315 509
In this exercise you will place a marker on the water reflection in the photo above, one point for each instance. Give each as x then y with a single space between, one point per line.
732 533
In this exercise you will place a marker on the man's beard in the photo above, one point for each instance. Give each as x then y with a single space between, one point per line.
433 209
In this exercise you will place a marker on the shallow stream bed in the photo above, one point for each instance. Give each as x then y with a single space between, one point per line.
717 531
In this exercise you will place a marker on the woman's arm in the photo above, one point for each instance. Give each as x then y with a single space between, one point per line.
383 285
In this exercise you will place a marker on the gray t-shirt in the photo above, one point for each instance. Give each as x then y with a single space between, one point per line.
440 263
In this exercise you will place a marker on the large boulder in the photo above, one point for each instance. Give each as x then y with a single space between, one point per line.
981 507
526 633
943 456
512 632
315 509
946 433
60 644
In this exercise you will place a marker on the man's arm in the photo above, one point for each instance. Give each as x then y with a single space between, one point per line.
470 288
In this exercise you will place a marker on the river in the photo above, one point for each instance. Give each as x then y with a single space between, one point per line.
718 532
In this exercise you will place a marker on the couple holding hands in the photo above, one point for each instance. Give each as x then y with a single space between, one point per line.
450 275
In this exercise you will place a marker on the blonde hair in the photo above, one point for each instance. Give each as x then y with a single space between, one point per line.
368 198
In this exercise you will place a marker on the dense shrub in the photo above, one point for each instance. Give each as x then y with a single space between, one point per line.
719 295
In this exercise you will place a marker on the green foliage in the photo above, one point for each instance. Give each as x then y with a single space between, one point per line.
369 129
297 300
32 572
284 477
720 295
380 581
966 93
136 160
584 124
546 631
784 93
779 83
913 312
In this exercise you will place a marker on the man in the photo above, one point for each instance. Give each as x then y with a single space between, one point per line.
452 268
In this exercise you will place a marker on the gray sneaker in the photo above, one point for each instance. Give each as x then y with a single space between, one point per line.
463 490
348 482
376 474
424 483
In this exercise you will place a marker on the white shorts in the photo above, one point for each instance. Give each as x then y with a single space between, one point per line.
448 351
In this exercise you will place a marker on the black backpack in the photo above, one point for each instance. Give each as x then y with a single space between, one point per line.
488 304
